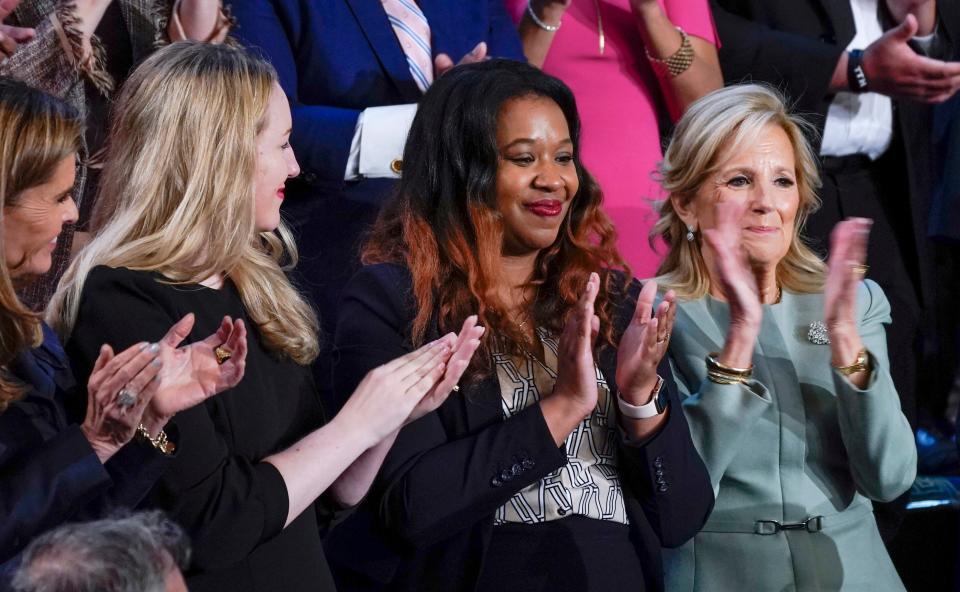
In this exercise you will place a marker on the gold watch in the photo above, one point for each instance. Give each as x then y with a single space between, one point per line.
862 363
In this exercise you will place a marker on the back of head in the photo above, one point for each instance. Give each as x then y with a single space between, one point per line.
712 129
176 194
37 132
126 554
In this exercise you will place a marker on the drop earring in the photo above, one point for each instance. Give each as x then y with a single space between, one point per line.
689 233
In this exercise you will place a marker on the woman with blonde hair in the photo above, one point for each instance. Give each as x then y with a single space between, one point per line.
781 360
189 220
54 470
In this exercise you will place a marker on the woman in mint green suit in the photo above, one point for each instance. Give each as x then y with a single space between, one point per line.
781 360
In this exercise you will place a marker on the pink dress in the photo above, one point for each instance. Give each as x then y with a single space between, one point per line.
619 100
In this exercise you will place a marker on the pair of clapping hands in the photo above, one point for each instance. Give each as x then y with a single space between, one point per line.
148 383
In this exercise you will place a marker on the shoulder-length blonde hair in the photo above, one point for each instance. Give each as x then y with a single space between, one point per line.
37 132
714 127
176 195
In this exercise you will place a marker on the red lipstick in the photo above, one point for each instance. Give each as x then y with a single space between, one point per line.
546 208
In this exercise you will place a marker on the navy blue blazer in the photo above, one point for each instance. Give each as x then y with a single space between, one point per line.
335 58
428 520
50 474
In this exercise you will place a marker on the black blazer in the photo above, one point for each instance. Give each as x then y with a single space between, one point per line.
431 519
794 45
50 474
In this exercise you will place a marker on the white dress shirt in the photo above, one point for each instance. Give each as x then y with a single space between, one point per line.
862 123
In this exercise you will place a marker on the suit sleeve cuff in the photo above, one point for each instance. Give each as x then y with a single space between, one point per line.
276 503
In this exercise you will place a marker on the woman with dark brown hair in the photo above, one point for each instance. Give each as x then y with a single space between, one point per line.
529 479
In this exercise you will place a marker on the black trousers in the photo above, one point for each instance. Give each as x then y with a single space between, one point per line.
853 186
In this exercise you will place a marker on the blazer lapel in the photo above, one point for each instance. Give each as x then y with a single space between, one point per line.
383 41
441 23
840 16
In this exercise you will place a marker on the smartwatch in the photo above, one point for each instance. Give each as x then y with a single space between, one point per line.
656 406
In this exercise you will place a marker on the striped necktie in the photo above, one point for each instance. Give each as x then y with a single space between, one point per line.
413 32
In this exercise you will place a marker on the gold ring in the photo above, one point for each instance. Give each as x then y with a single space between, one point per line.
223 354
860 268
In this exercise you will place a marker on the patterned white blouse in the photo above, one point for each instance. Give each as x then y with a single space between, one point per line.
588 485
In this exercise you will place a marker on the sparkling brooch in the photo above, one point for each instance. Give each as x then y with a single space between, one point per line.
818 333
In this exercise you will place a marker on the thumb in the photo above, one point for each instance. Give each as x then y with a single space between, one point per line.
179 331
480 51
906 30
442 63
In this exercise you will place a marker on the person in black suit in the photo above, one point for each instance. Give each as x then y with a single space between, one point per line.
353 89
528 478
865 72
53 469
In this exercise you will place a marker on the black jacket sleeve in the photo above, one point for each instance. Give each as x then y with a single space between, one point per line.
432 485
665 473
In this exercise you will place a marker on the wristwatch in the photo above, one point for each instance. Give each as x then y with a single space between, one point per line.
656 406
856 77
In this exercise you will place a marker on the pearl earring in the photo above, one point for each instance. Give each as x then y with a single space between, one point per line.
689 233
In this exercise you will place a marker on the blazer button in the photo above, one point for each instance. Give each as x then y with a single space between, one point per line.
659 472
658 462
506 475
528 463
516 469
562 511
496 482
663 488
396 165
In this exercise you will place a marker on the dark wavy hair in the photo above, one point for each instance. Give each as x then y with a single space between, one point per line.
444 226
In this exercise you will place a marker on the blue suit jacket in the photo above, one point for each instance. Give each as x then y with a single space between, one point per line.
338 57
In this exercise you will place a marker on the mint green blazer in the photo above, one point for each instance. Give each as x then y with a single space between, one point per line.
797 442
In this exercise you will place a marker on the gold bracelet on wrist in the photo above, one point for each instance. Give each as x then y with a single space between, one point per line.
161 443
861 363
721 374
675 64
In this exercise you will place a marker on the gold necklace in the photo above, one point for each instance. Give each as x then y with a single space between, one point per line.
601 37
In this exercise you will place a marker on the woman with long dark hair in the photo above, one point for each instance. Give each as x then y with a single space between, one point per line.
530 478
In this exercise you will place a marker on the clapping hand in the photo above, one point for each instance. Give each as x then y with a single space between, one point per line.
576 372
192 373
643 345
10 36
848 253
462 348
118 391
737 282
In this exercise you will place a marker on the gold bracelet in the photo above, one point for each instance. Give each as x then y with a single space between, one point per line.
861 363
675 64
721 374
161 443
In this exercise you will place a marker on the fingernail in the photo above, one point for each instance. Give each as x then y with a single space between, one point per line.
143 346
154 348
157 362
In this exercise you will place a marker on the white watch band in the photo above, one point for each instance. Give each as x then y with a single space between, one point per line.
651 409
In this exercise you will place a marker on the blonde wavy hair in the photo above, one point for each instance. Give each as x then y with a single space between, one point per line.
176 195
37 132
713 128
